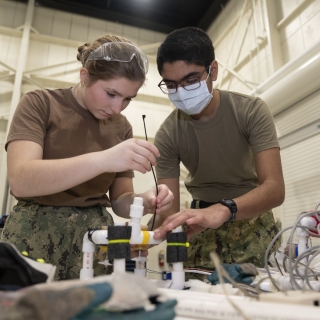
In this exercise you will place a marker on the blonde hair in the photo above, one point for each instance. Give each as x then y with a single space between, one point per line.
106 70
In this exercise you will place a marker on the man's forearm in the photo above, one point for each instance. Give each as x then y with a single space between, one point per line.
259 200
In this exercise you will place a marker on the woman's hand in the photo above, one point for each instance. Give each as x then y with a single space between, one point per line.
132 154
162 201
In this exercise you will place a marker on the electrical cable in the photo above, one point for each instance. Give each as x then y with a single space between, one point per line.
197 271
154 176
277 263
298 269
266 255
153 271
222 273
249 289
315 249
293 280
306 275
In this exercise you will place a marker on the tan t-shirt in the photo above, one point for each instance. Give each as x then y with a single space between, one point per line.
64 129
218 153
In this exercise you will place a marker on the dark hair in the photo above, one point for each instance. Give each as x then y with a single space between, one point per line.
106 70
189 44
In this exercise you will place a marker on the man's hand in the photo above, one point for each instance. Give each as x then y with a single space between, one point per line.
197 220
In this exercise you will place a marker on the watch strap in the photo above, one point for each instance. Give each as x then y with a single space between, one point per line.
232 207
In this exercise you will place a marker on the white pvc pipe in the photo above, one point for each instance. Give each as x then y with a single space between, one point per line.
136 213
287 69
308 222
86 272
88 260
119 265
144 237
88 249
303 234
152 240
140 272
293 87
286 283
100 237
138 236
178 274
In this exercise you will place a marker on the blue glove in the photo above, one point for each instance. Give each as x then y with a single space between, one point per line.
243 273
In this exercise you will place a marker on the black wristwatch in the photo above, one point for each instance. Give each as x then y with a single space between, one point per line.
232 206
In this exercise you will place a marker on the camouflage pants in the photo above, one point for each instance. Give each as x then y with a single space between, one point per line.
234 242
56 234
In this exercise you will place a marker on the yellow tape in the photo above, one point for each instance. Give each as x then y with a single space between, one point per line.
146 237
119 241
104 248
178 244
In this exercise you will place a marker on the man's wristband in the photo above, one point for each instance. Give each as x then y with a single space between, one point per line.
232 207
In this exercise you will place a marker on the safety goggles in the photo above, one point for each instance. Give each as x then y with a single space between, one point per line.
120 51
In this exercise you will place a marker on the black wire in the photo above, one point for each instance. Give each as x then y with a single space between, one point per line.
154 176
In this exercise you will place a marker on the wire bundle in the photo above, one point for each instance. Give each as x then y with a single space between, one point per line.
297 268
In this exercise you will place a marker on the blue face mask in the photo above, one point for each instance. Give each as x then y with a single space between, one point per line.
192 101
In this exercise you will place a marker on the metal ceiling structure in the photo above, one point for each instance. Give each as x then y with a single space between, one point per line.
157 15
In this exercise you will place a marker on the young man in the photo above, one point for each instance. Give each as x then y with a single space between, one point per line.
228 143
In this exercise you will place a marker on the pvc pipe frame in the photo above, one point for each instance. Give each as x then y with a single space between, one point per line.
138 236
100 237
303 235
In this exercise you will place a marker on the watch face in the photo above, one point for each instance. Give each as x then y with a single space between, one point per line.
230 204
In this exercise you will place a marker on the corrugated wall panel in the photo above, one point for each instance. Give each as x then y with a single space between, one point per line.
43 20
301 167
9 51
38 55
79 28
61 25
12 14
96 28
302 113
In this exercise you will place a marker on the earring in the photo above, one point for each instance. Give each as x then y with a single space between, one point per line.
82 83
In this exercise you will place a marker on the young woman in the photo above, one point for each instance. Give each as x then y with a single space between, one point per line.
68 147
